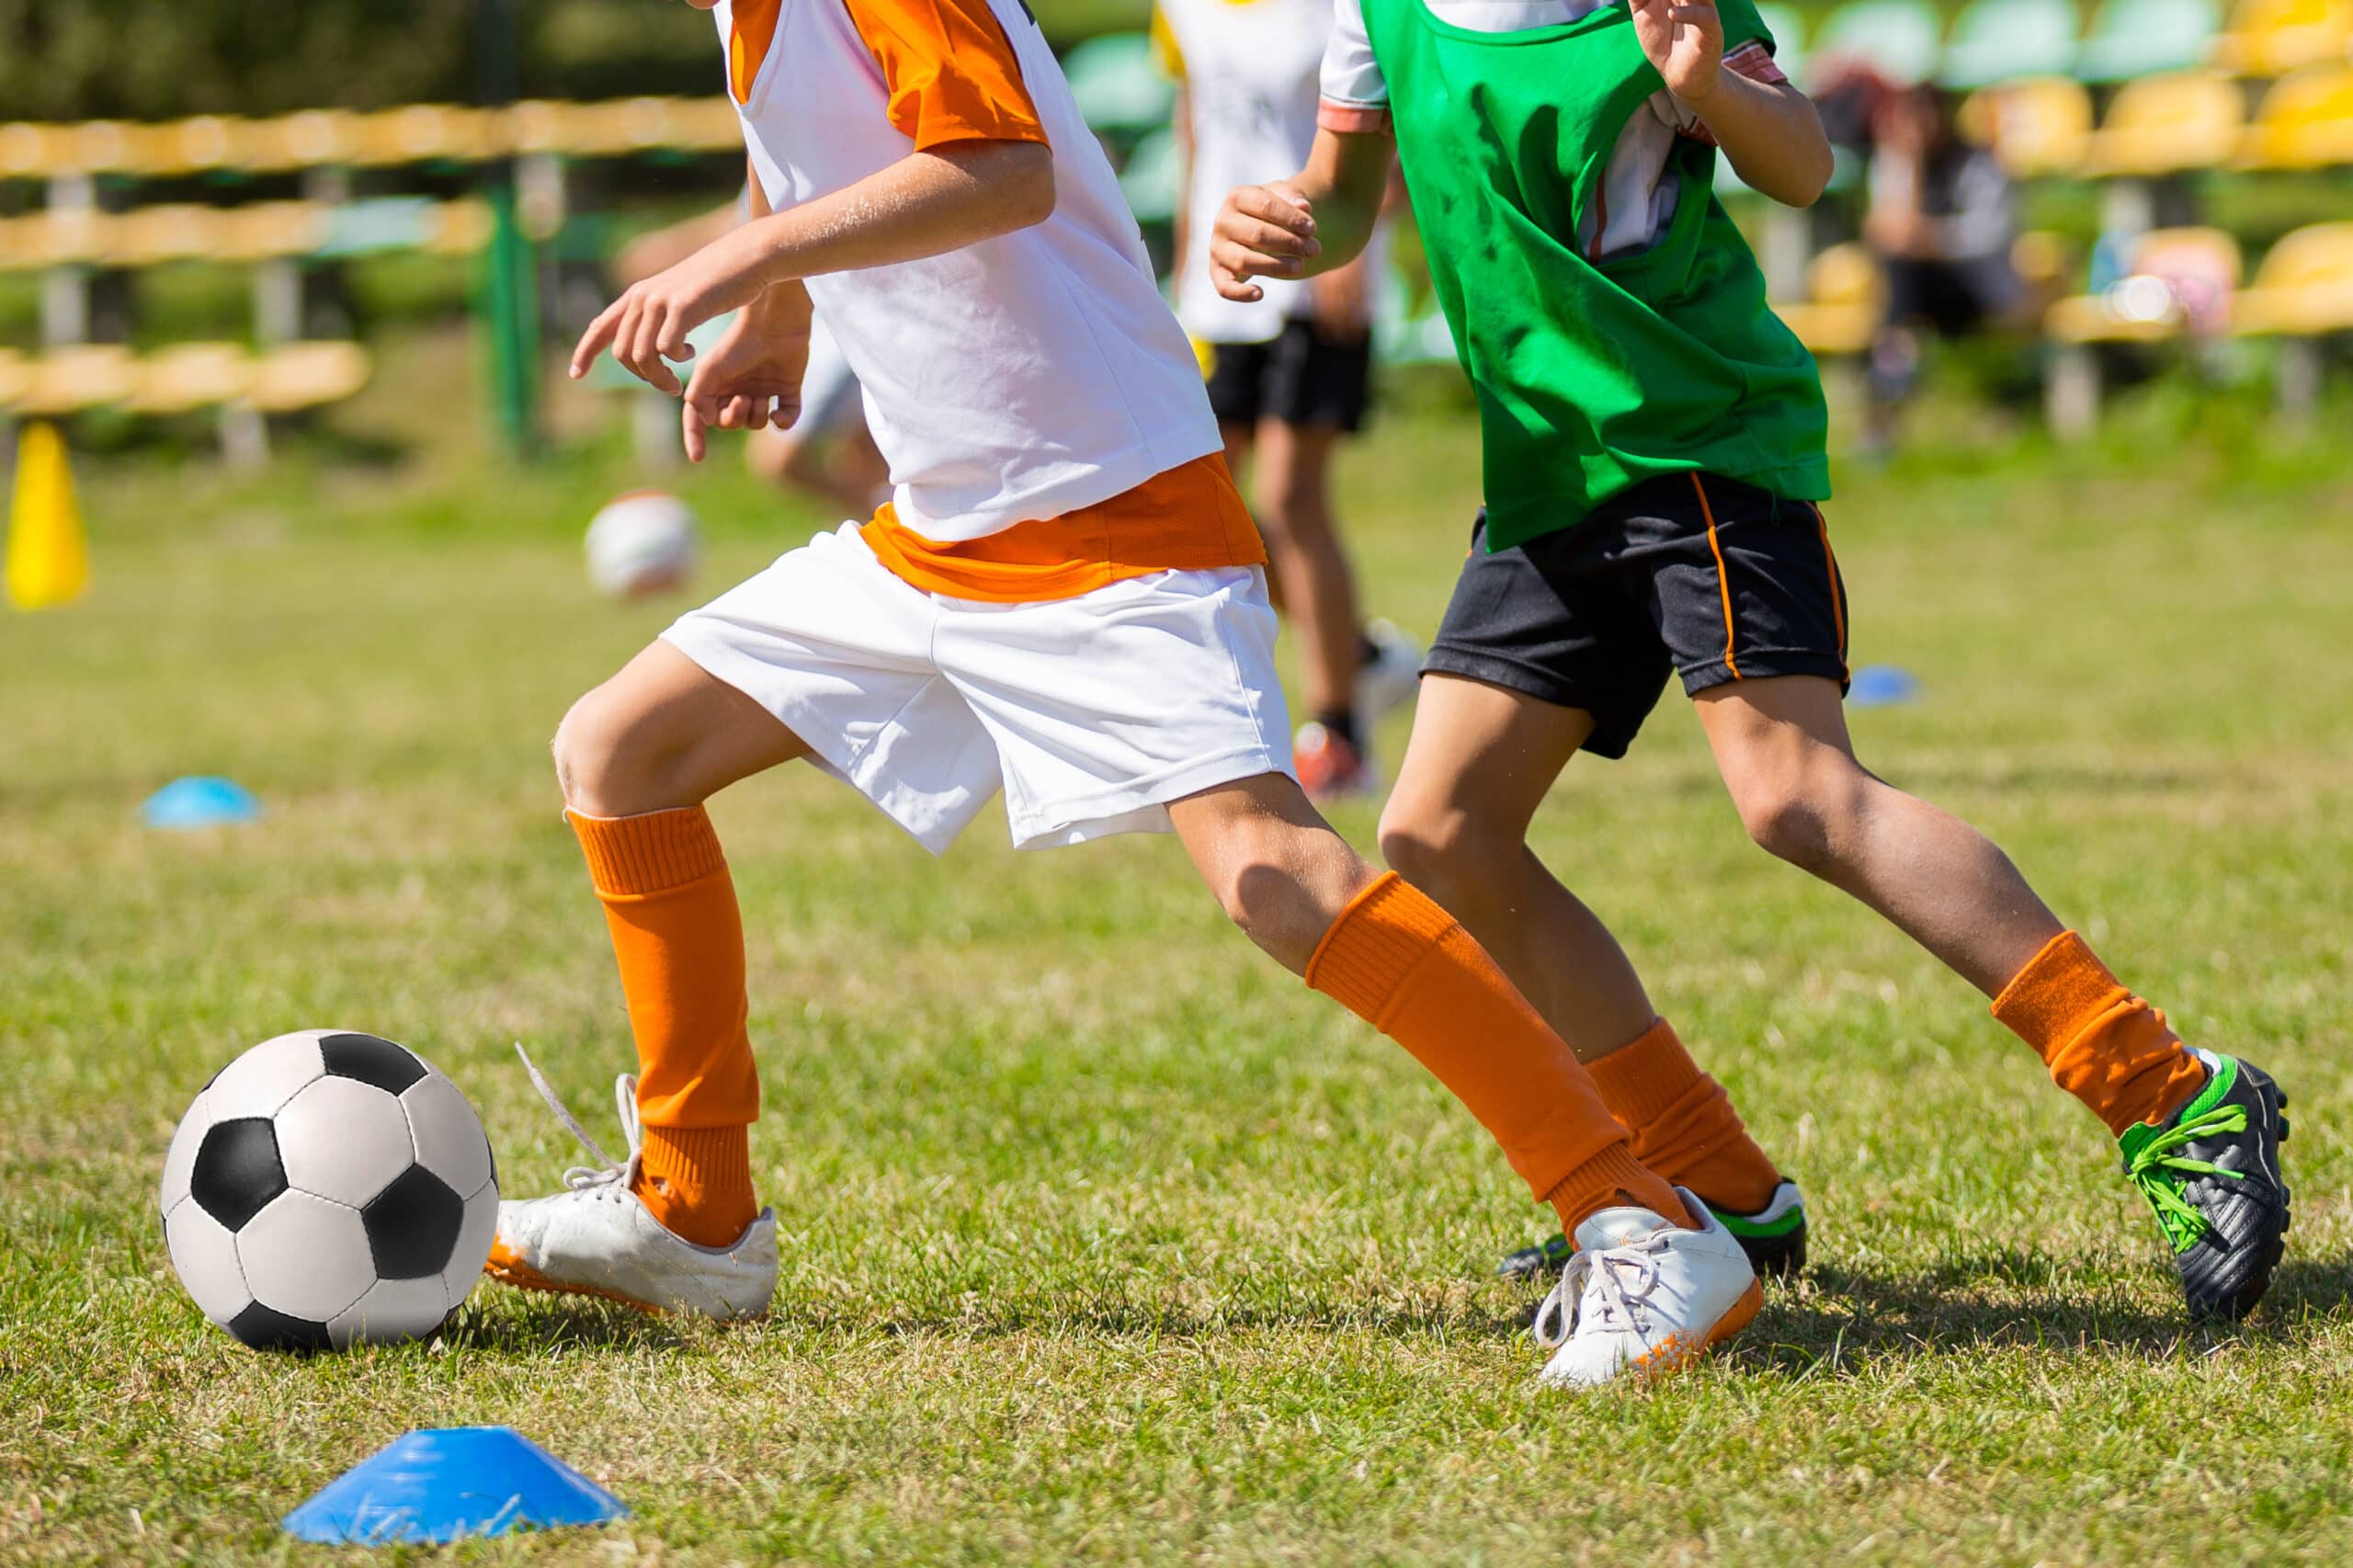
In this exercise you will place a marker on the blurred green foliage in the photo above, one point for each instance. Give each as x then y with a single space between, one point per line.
155 59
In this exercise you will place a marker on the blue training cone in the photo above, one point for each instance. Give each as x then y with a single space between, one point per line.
1881 686
447 1483
200 801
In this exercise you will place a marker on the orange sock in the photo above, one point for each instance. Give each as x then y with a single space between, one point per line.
2103 1045
1683 1123
670 906
1410 970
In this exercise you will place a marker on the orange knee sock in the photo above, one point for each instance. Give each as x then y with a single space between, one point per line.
670 906
2103 1045
1683 1123
1410 970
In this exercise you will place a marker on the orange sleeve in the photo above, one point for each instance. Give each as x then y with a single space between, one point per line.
950 70
747 44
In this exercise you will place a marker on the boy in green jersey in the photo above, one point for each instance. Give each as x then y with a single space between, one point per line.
1654 460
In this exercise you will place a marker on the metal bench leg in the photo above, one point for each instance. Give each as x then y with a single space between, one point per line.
2070 392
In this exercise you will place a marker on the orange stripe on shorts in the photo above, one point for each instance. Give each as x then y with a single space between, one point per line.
1723 582
1837 596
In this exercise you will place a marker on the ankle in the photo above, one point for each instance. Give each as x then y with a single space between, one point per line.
1615 1179
696 1182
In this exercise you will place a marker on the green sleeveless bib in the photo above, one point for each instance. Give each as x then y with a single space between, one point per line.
1592 376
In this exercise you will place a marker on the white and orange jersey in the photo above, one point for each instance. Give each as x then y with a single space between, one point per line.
1250 70
1040 409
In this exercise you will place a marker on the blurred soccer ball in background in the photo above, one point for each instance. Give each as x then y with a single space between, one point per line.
329 1189
640 544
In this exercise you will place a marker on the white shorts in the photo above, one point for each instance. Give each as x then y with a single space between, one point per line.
1091 713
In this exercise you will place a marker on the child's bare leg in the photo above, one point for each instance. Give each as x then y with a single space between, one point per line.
1294 494
662 734
1478 766
1396 959
1479 762
1782 746
637 757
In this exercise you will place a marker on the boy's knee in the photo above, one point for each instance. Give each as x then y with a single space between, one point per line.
610 761
1439 849
1802 815
1282 891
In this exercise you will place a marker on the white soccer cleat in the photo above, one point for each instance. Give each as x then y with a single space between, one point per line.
1643 1296
1392 676
598 1238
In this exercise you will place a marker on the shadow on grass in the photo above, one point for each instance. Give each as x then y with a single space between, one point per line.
513 1323
2008 1298
1968 1301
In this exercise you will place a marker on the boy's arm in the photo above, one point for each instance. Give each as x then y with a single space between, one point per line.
1319 220
925 204
1770 133
751 377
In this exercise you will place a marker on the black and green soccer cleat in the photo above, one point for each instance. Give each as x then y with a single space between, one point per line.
1773 1237
2211 1174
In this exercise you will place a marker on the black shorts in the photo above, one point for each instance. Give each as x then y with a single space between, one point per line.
1300 376
1716 579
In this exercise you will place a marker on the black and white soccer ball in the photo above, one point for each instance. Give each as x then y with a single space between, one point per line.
329 1189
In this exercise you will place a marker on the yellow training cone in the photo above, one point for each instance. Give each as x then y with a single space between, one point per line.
47 563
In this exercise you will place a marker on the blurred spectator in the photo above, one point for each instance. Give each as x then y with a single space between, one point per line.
1942 219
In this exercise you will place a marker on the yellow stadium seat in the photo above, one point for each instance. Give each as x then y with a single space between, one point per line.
307 375
458 228
2162 125
2271 38
2040 258
705 125
2036 125
30 152
191 376
619 127
70 379
428 133
149 236
1844 297
2304 287
112 146
2305 121
271 230
2144 307
542 126
208 142
54 237
314 139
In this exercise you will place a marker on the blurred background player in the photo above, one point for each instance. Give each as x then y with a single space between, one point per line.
827 452
1942 219
1289 375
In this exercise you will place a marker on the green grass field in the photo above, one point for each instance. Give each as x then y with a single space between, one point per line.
1106 1241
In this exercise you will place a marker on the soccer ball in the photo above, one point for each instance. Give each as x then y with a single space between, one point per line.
329 1189
641 543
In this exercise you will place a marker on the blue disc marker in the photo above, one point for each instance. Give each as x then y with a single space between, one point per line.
447 1483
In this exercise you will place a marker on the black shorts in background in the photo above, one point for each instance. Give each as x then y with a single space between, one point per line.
1707 576
1300 376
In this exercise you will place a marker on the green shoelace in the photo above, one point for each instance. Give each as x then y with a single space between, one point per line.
2161 1173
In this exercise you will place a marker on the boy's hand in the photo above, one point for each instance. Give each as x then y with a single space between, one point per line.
749 381
1263 231
1684 40
650 322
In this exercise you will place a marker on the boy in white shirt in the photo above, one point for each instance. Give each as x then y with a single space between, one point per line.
1063 601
